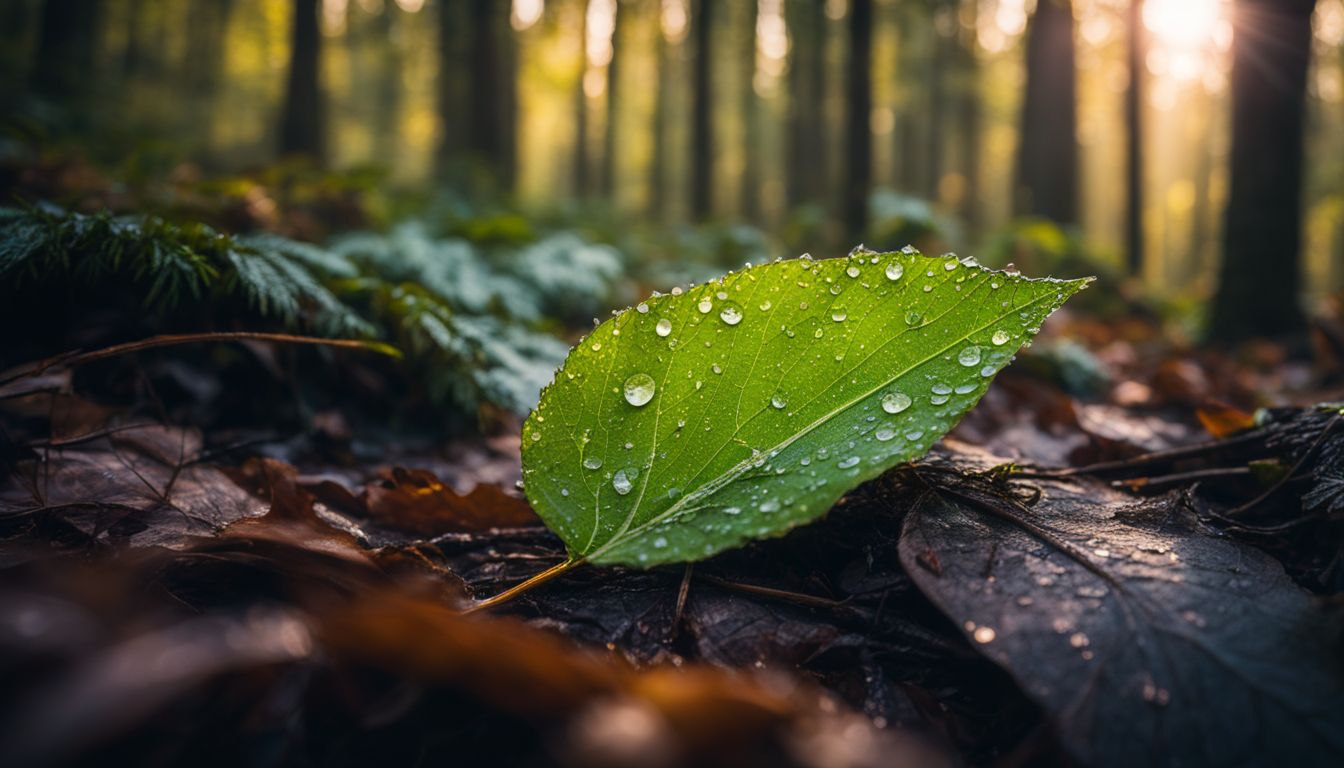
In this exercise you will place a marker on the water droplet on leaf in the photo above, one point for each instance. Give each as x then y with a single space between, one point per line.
895 402
639 389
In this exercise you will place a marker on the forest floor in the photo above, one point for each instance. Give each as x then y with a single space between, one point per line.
234 596
216 553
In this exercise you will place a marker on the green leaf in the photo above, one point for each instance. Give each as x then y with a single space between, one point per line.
747 406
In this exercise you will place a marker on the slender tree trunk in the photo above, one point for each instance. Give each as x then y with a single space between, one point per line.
913 72
387 122
1201 235
658 163
302 119
613 103
970 118
582 183
208 24
506 164
702 101
1047 165
1134 145
67 43
1260 279
450 91
491 99
806 22
133 54
937 80
858 134
751 168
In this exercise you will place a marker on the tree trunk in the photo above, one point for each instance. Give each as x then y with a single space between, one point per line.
302 120
1259 283
936 118
970 119
912 70
613 102
751 167
1047 165
1134 134
491 99
806 162
658 163
858 134
702 101
67 44
450 100
582 184
387 114
207 28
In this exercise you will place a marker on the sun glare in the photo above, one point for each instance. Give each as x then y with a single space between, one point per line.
1187 37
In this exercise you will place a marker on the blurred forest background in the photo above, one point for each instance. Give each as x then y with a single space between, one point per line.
1113 135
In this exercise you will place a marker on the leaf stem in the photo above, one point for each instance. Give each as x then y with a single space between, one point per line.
524 586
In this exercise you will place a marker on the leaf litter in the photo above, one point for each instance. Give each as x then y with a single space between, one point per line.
845 642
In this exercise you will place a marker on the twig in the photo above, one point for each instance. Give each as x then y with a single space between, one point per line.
682 593
525 586
1136 483
1253 503
811 601
1144 459
71 359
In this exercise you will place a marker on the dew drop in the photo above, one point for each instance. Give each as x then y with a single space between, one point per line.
769 505
639 389
642 308
766 305
779 402
730 314
885 434
950 264
839 314
852 271
659 543
592 462
624 480
984 635
913 318
895 270
852 461
895 402
1000 338
705 305
664 327
715 368
969 356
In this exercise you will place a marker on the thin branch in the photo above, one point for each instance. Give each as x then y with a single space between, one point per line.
71 359
525 586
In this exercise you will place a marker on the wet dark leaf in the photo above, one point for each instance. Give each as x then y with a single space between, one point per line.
1148 640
